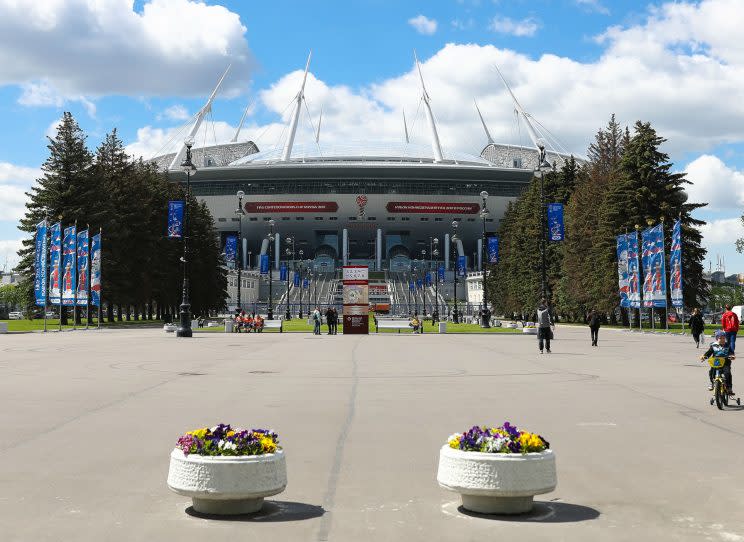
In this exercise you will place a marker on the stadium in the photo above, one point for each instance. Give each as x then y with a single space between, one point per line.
394 206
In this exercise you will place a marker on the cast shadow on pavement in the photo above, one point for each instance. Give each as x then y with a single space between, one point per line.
272 511
544 512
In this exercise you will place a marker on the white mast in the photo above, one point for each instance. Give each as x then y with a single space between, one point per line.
435 146
240 124
175 164
320 120
405 126
296 115
488 134
536 140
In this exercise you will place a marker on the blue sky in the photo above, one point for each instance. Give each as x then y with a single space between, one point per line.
145 69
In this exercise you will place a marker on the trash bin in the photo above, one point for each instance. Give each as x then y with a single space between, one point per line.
229 325
442 327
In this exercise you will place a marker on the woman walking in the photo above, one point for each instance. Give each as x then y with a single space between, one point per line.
697 326
544 326
594 323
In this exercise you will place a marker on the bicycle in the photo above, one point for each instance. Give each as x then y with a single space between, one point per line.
720 390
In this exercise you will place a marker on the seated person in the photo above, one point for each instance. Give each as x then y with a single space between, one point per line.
248 323
720 348
239 322
258 323
415 323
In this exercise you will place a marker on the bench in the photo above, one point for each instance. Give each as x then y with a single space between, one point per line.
389 323
3 327
274 324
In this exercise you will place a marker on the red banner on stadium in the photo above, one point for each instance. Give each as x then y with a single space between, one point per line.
291 207
432 207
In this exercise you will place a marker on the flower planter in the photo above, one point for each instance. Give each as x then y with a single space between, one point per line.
496 483
530 330
227 485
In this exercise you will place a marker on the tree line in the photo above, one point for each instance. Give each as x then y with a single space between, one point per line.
627 182
127 199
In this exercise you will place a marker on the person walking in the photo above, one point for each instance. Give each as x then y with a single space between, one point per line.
697 326
544 326
329 320
594 323
316 321
730 326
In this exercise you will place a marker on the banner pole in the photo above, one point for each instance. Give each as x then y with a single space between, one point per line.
87 282
46 278
100 276
59 271
74 293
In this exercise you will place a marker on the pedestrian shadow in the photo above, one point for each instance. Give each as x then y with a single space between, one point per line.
543 512
272 512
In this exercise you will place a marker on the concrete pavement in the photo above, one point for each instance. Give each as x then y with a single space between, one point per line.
89 419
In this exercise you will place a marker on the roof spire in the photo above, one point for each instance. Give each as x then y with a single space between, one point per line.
536 140
405 126
240 124
320 120
488 134
199 118
435 145
296 115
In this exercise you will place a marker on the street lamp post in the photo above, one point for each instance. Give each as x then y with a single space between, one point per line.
240 212
270 312
435 254
302 268
250 255
485 313
290 252
454 239
542 168
184 329
423 282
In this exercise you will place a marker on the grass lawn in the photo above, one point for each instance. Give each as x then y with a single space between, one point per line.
53 324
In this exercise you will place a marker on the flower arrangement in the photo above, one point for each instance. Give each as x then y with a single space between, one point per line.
506 439
224 440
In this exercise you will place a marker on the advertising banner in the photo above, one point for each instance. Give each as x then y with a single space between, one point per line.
356 299
675 266
555 221
440 272
296 281
175 219
283 272
55 264
95 270
419 284
264 265
40 264
432 207
622 270
68 266
411 286
634 272
291 207
306 283
461 266
428 279
82 269
231 250
654 268
493 249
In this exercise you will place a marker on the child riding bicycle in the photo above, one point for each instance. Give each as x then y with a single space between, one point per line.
719 348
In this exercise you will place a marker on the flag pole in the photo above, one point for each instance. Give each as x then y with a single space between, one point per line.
46 279
100 275
59 270
664 278
87 281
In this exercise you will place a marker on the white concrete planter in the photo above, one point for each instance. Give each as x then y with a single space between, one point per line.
170 328
530 330
496 483
227 484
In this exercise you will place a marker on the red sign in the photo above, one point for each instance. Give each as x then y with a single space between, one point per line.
431 207
291 207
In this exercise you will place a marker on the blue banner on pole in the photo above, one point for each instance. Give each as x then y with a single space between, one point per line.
634 272
95 270
654 268
555 221
68 265
675 266
283 272
55 265
264 266
40 264
411 286
231 250
419 284
428 278
81 297
175 219
493 249
296 279
461 266
306 283
440 272
622 270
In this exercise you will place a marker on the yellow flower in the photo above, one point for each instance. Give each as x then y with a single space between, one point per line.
268 445
230 433
531 442
199 433
454 441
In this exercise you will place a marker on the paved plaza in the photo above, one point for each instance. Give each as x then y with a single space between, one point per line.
90 418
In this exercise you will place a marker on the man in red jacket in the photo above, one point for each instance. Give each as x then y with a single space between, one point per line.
730 325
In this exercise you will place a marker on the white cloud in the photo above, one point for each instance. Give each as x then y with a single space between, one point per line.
175 112
423 25
593 6
506 25
715 183
15 181
21 175
60 50
8 252
724 231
